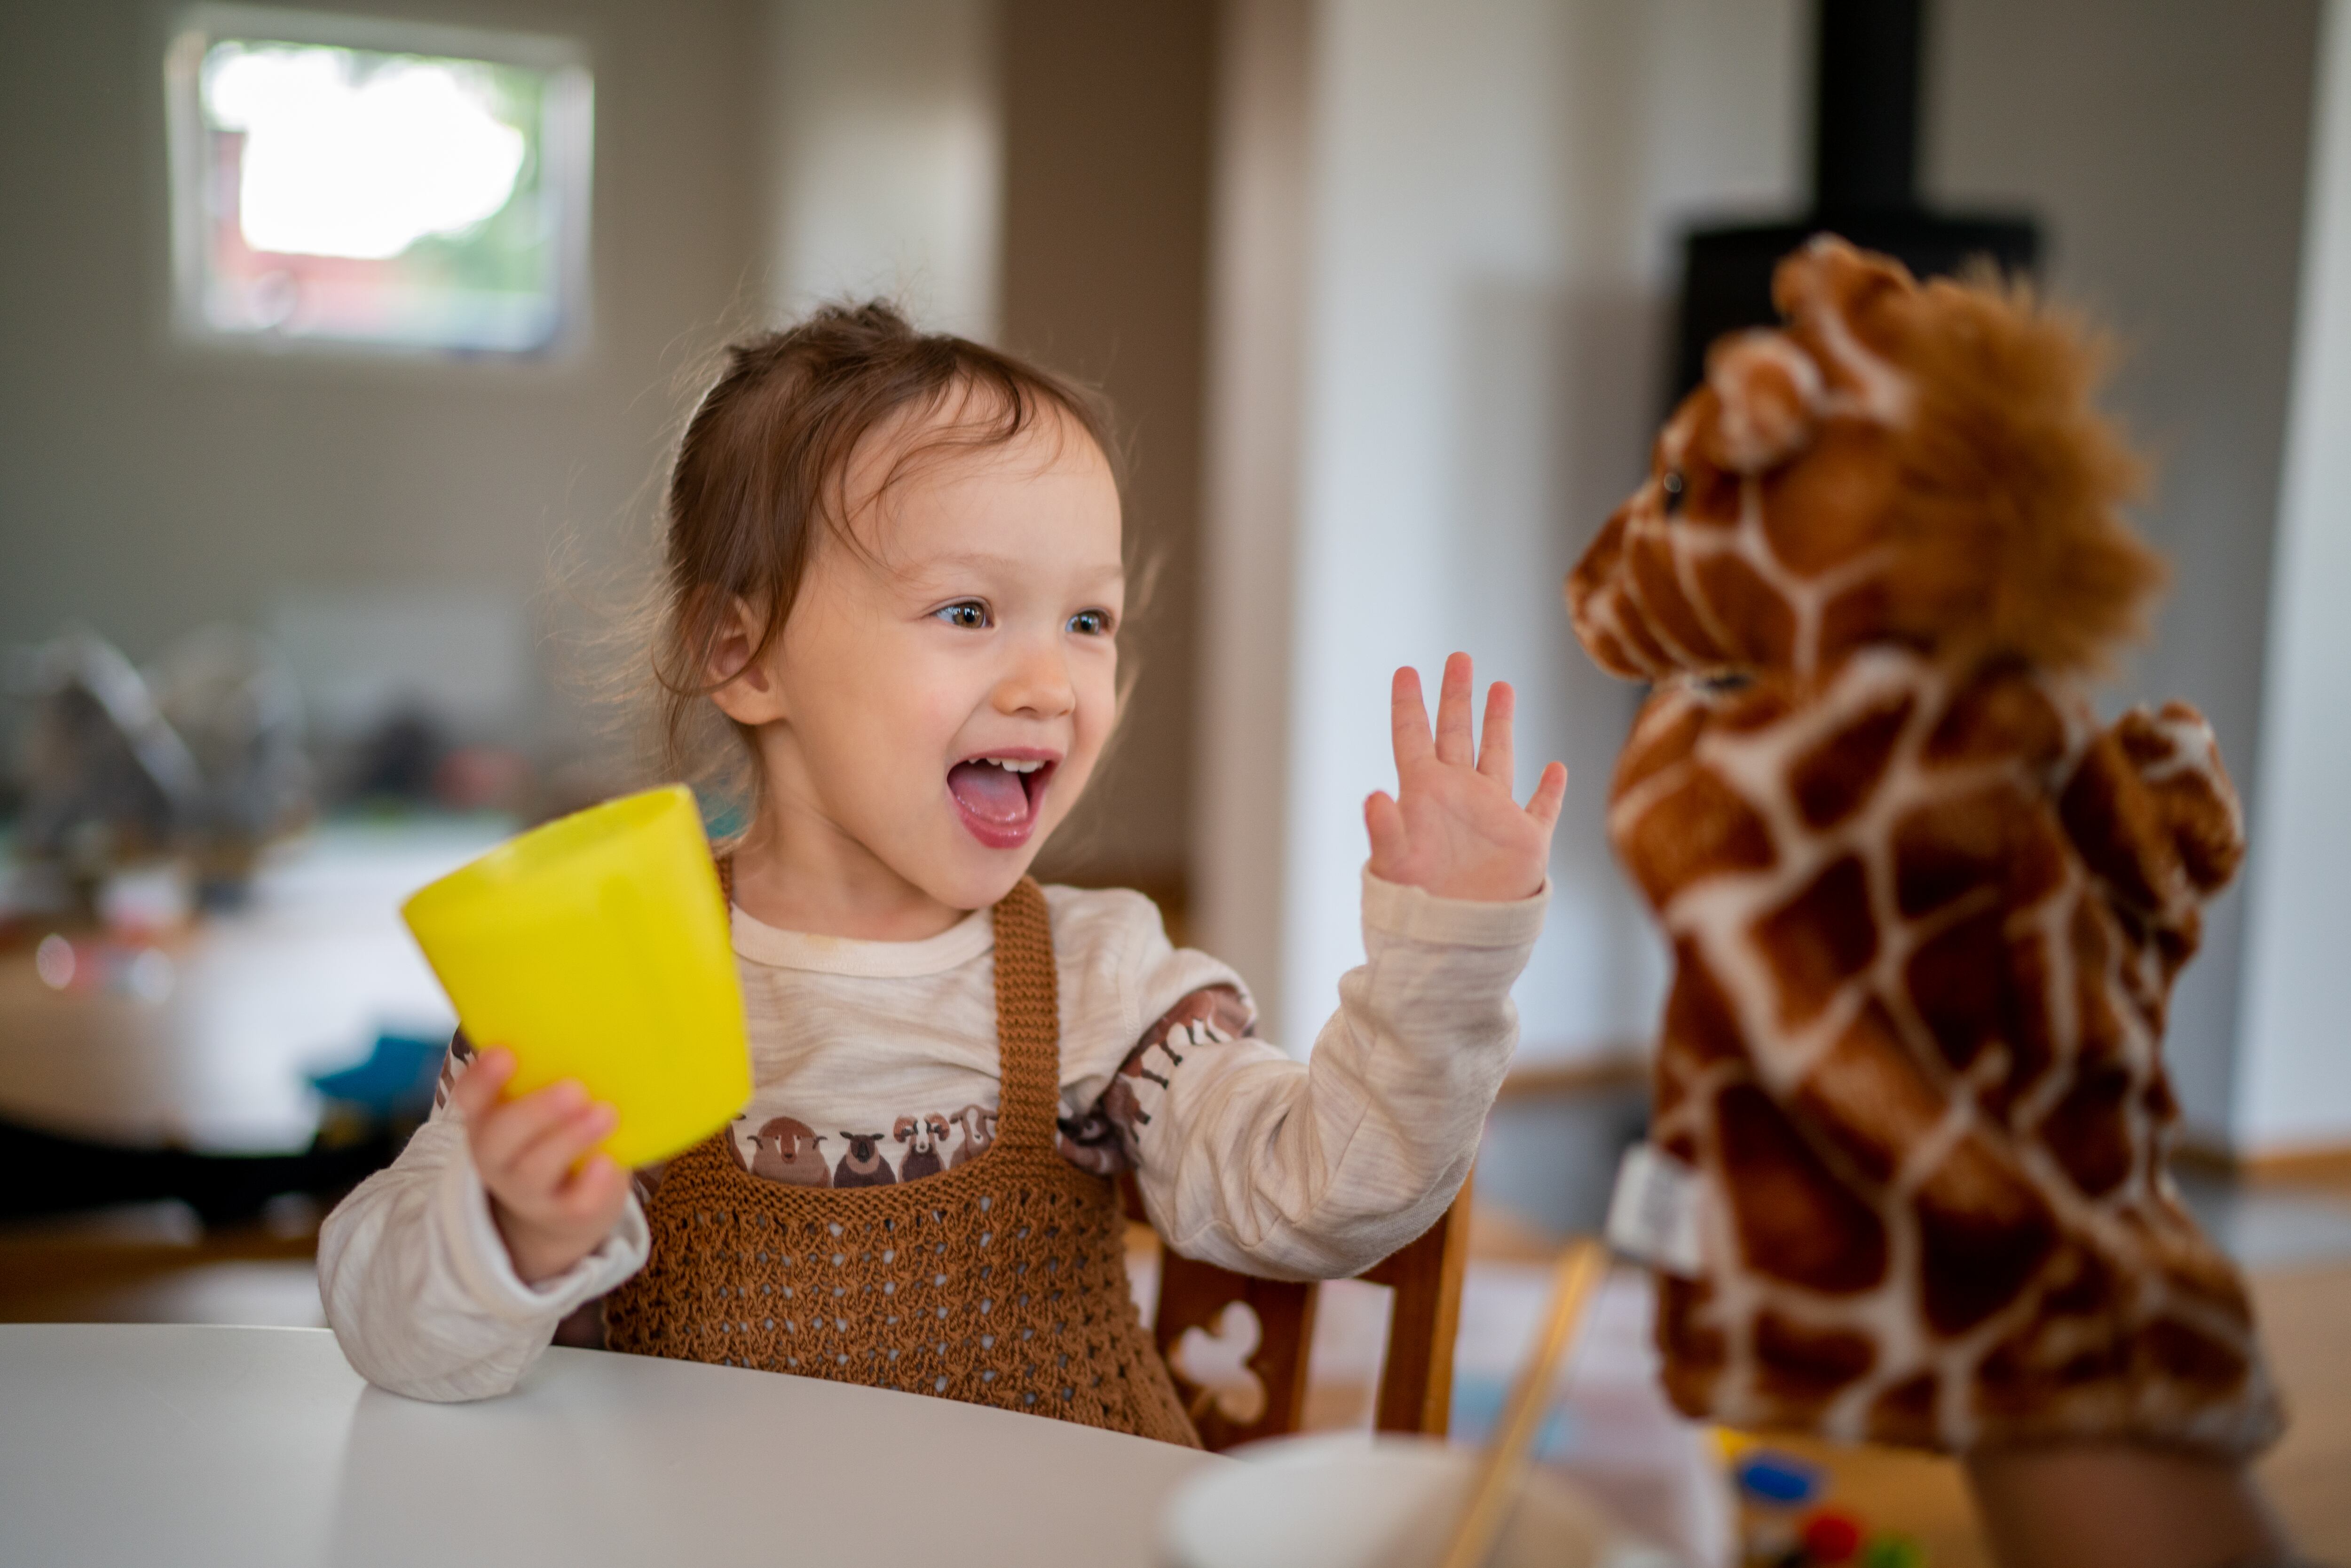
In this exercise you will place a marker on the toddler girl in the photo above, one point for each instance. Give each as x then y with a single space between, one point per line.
895 567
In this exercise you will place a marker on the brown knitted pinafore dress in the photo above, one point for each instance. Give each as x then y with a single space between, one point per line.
998 1281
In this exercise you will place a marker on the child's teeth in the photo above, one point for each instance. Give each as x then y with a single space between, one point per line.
1015 765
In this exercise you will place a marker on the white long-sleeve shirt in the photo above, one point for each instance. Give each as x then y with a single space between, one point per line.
876 1061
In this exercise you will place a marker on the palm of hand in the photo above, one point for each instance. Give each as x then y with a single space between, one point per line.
1453 828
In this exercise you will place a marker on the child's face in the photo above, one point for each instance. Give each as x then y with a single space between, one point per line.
974 628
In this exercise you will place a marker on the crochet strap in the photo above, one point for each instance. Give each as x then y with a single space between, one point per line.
1028 1019
1028 1012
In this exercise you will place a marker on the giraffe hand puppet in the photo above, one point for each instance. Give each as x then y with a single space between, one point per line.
1925 912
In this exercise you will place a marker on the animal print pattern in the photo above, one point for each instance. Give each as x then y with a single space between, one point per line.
1925 915
1103 1139
453 1068
786 1149
1108 1138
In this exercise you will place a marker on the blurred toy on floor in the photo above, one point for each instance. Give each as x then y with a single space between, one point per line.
1789 1515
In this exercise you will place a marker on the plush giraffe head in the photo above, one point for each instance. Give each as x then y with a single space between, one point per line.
1899 463
1925 912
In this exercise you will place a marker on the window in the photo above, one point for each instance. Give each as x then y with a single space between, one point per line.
379 185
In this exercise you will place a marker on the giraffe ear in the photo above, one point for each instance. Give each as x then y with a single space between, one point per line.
1830 278
1767 396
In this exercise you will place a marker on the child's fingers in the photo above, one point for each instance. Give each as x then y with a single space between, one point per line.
502 1133
1551 791
1408 718
1455 743
541 1166
476 1088
1494 746
1384 820
594 1191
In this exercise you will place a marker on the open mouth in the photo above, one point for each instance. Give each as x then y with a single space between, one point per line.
998 793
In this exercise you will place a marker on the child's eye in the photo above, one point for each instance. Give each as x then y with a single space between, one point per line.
1090 622
970 614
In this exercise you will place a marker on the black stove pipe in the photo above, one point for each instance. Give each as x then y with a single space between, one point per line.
1868 62
1865 106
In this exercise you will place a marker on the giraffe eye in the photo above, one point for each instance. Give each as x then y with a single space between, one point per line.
1672 485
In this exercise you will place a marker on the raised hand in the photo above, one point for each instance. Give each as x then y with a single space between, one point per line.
1452 828
554 1200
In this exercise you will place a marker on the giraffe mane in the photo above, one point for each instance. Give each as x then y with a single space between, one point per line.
2007 524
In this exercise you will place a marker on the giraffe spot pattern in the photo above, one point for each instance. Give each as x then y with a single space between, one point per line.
1796 1221
1707 828
1831 779
1870 1100
1983 1229
1820 939
1807 1365
1945 977
1925 912
1973 988
1756 627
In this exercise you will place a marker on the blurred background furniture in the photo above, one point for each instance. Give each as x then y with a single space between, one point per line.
180 1063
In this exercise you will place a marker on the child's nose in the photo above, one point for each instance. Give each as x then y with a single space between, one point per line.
1038 683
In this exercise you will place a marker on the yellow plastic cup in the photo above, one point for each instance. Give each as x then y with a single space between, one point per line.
597 948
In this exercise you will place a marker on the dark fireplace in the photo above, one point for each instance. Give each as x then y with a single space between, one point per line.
1865 186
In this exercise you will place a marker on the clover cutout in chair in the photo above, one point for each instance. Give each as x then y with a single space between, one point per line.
1218 1365
1195 1329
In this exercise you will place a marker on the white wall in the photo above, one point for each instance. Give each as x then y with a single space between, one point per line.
1489 185
2294 1055
2163 148
1255 376
885 146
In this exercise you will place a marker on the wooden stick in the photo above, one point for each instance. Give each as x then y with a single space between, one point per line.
1506 1463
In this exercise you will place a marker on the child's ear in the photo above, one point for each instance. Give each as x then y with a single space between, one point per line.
743 688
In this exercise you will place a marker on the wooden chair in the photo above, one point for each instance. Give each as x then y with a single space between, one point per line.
1416 1391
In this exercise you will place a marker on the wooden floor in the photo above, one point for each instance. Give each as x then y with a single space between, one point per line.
156 1268
2305 1317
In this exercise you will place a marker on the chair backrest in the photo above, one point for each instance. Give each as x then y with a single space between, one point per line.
1416 1391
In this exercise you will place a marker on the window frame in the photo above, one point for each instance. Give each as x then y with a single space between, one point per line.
566 153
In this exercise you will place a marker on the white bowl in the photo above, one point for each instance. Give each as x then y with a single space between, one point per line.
1350 1500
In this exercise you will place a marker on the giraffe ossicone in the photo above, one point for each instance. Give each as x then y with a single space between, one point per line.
1924 911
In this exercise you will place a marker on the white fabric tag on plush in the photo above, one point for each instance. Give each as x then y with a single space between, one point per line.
1653 1216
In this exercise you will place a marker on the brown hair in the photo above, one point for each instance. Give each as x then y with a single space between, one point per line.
765 463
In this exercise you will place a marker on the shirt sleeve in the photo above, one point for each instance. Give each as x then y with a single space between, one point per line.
416 1280
1257 1161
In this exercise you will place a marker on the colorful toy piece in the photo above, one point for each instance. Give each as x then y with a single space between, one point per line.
1894 1552
1778 1480
1832 1536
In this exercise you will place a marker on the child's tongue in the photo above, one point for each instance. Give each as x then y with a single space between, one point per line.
988 791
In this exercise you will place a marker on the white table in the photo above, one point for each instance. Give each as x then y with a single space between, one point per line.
141 1446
